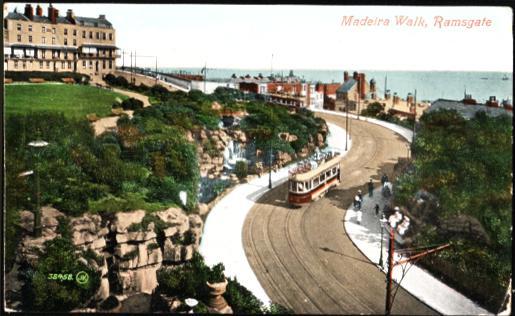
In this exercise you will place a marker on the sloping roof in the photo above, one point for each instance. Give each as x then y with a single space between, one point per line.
85 21
466 110
347 86
97 22
16 16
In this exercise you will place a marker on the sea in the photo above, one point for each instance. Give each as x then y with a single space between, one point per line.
429 85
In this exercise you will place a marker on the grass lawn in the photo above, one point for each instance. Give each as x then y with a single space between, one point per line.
72 100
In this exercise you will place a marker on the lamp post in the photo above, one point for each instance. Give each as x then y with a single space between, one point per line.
270 157
346 125
37 213
382 221
191 302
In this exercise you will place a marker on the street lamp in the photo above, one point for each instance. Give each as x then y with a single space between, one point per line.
191 302
382 221
37 213
346 125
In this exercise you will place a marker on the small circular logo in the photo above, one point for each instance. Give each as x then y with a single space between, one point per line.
82 277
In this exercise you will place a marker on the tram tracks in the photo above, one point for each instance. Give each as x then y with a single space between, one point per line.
289 259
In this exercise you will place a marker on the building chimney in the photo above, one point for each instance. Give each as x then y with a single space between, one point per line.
409 99
492 102
53 13
345 76
468 100
39 11
396 98
70 16
372 85
362 85
29 12
387 95
355 75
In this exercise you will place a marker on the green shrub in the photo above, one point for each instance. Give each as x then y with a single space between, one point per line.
47 76
241 169
241 300
132 104
43 294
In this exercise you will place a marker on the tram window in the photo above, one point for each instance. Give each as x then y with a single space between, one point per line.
322 177
293 186
308 185
334 170
316 182
300 186
328 173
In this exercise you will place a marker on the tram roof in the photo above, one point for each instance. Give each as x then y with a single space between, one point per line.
312 173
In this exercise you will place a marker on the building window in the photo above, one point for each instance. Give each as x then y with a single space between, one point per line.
43 29
47 64
110 36
18 37
83 34
30 27
69 65
62 64
30 38
104 36
110 64
84 63
40 65
65 55
53 40
43 40
53 30
24 64
90 34
74 42
18 27
98 35
65 31
66 42
104 64
15 64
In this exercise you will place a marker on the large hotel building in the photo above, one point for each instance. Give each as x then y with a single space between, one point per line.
35 42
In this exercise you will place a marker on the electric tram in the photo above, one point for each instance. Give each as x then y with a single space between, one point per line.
310 180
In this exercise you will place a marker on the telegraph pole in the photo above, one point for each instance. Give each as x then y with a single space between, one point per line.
347 132
415 116
389 275
391 249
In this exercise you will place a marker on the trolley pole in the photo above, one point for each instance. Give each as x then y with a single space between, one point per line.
389 280
270 156
346 125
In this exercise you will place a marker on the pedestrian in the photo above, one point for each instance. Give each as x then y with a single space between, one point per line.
358 216
384 178
377 209
370 187
357 202
360 197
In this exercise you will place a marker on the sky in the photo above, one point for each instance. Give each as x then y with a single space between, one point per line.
306 37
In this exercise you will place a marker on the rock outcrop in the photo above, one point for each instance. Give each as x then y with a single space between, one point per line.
137 255
29 246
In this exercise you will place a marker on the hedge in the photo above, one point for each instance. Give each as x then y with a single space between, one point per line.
47 76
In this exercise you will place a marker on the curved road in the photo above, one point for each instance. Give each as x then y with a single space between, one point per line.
303 257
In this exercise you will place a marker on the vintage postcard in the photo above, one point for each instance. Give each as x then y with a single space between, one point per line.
257 159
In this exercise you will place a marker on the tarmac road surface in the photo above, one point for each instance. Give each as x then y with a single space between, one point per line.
303 258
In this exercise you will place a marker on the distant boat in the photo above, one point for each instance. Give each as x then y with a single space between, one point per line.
505 77
484 78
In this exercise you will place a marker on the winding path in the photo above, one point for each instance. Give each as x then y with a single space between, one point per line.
303 257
